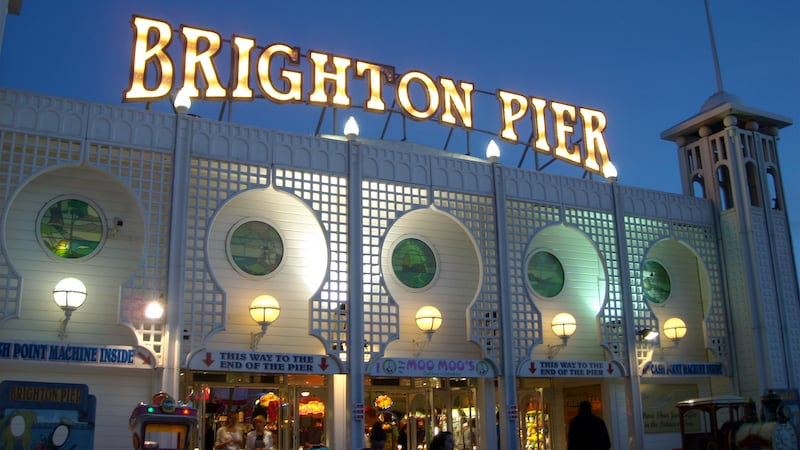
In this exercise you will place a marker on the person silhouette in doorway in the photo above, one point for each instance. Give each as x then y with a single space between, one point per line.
377 435
587 431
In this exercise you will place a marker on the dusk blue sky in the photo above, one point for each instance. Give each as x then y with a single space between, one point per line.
646 64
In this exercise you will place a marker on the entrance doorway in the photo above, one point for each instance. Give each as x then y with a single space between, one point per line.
295 406
535 421
413 410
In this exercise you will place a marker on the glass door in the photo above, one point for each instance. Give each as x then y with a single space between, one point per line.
295 410
456 412
536 421
413 414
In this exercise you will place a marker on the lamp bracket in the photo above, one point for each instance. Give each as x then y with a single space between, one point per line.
419 345
255 338
552 350
62 328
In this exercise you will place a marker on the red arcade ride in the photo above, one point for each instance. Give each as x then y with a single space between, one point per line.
162 424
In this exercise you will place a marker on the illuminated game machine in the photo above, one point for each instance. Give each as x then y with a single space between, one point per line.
35 415
162 424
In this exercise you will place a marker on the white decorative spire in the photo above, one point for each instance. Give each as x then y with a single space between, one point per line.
717 70
720 97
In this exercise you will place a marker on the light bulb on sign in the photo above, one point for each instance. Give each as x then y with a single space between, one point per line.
182 102
351 128
492 151
610 172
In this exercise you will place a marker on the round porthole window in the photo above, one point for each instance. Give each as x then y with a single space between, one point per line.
413 263
71 228
545 274
655 282
255 248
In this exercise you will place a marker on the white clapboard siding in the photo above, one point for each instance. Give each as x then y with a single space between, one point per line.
102 273
452 291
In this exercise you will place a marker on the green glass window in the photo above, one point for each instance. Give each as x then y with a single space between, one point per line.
655 281
413 263
256 248
71 228
545 274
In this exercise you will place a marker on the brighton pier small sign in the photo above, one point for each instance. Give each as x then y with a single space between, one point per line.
281 75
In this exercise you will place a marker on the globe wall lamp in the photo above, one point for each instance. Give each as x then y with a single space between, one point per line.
69 294
428 319
675 329
563 326
264 309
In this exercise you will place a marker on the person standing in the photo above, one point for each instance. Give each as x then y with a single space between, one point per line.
377 435
468 441
402 437
208 437
228 436
443 441
587 431
259 437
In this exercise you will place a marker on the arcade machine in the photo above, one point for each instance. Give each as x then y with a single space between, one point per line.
37 415
162 424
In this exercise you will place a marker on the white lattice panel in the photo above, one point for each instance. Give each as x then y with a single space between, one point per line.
22 156
149 175
477 213
523 220
212 183
383 203
327 196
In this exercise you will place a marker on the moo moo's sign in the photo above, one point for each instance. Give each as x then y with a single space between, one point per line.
277 71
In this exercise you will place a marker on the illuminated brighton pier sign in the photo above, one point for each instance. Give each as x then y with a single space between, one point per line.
282 76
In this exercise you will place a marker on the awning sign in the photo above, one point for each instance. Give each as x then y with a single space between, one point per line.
422 367
665 369
238 361
549 368
96 355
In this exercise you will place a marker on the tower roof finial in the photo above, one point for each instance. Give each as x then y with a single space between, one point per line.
720 96
717 70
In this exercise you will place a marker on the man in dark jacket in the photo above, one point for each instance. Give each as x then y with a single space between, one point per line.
377 435
587 431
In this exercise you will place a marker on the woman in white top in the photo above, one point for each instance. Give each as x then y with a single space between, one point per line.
228 436
259 438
